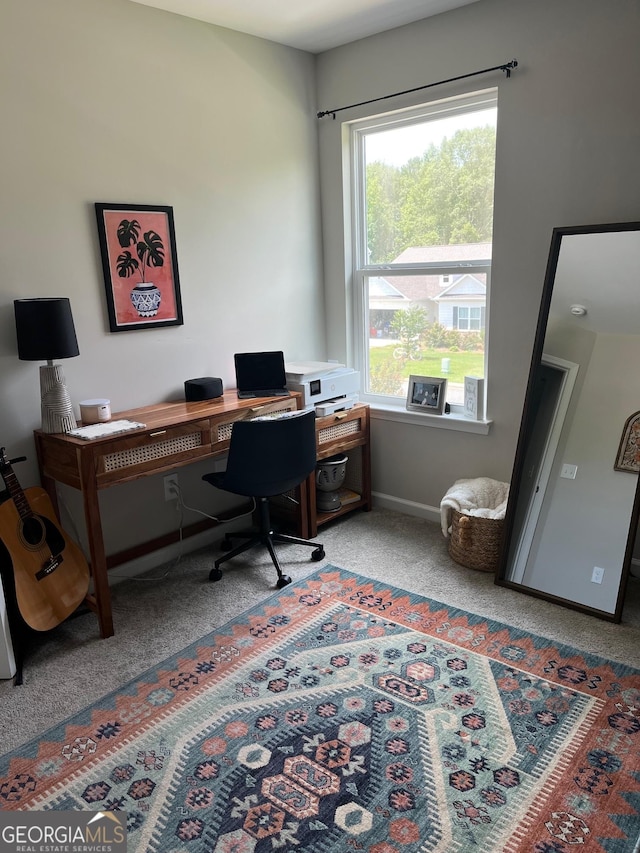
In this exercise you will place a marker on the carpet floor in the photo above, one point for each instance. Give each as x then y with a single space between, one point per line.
172 606
343 713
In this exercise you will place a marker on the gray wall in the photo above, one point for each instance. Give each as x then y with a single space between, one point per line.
111 101
567 145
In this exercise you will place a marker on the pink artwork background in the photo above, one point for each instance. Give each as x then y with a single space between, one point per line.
162 276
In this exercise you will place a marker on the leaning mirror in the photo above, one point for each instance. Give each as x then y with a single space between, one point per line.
572 515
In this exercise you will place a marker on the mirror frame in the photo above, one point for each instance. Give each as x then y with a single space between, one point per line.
501 578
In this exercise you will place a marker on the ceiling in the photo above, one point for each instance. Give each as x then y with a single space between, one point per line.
598 271
311 25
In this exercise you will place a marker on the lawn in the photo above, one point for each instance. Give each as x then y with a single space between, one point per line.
461 364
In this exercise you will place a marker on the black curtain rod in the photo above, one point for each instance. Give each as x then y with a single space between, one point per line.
507 67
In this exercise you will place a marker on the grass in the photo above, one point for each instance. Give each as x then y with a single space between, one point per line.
461 364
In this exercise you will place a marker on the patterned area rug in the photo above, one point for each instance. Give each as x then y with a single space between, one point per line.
346 715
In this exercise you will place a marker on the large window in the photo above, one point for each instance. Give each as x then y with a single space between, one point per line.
423 202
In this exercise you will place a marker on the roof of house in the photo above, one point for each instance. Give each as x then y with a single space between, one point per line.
421 287
464 285
445 254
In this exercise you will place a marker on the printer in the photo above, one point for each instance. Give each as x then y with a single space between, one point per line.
325 385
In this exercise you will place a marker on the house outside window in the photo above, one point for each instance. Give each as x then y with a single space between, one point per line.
423 201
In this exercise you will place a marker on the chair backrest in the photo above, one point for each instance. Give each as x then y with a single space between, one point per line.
269 457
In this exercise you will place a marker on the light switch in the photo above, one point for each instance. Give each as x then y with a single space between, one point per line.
569 471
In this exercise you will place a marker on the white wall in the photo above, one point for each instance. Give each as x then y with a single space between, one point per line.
568 137
111 101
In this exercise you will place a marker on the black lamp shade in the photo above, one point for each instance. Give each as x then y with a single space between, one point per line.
45 329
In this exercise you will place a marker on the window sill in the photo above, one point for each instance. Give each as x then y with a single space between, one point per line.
452 421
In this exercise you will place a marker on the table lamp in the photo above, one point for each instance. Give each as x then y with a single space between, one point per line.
45 331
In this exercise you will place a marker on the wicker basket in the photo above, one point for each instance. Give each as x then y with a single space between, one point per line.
475 542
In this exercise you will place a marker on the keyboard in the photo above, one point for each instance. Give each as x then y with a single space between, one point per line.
104 430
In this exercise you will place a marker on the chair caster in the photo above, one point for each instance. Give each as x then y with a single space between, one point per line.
215 574
283 580
317 554
226 544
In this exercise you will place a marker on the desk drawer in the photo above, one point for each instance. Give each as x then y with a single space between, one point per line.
221 428
339 432
142 454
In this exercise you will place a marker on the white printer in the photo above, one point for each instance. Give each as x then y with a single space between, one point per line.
325 385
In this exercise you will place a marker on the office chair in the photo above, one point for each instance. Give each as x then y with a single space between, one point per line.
267 457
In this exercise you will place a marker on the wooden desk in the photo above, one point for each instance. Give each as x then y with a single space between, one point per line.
176 434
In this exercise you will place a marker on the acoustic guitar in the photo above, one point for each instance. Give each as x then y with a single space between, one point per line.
50 571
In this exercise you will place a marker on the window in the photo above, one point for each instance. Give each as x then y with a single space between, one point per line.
423 204
468 319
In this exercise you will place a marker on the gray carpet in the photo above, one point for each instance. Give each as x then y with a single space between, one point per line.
70 667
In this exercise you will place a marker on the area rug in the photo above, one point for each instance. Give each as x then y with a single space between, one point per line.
344 715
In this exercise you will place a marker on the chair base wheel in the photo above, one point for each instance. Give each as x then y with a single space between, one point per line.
283 580
215 574
317 554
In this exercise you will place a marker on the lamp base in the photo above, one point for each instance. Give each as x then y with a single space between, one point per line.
57 411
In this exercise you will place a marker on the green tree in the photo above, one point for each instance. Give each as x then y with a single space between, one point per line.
444 196
407 326
382 206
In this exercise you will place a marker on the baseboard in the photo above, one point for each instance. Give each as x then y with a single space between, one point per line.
430 513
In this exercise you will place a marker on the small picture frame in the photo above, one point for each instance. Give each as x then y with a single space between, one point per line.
427 394
474 397
140 266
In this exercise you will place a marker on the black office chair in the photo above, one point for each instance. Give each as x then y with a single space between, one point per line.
267 457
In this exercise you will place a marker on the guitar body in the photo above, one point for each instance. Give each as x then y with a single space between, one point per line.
50 571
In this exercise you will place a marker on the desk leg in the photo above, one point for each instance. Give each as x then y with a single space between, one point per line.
304 527
310 507
101 589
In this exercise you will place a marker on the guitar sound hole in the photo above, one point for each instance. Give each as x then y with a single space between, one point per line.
33 531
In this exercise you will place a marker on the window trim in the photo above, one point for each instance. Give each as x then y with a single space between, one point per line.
388 407
453 421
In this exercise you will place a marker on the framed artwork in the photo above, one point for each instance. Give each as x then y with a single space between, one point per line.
628 458
474 397
140 265
427 394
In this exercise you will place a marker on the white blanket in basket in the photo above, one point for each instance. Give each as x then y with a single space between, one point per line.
480 496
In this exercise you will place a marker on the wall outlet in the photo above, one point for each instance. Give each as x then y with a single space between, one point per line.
569 471
171 492
597 574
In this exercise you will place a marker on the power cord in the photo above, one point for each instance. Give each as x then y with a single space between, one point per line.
178 492
181 506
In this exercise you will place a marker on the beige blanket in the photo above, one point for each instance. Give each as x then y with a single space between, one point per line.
481 496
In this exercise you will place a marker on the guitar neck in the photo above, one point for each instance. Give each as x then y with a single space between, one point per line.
16 493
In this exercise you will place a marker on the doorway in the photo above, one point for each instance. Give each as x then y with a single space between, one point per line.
551 394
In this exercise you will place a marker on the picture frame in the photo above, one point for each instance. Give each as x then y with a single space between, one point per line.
140 266
474 397
628 456
427 394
